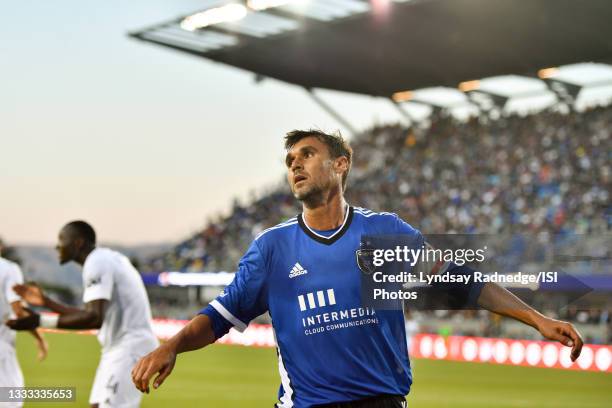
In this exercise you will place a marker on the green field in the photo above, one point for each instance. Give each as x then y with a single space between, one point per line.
234 376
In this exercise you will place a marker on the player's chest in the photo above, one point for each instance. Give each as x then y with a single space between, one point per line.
315 271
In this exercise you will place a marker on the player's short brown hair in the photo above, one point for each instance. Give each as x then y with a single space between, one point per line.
335 143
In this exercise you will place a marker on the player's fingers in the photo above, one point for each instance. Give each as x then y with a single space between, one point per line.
165 372
558 335
136 369
143 380
20 289
576 350
566 341
152 369
137 374
42 353
576 340
140 381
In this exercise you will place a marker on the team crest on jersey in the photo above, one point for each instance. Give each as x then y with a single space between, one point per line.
365 260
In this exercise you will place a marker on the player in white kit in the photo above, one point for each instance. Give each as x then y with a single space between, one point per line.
116 303
11 307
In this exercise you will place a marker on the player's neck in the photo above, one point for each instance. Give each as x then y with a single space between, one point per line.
327 215
80 259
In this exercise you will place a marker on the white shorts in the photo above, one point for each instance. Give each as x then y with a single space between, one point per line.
10 376
113 386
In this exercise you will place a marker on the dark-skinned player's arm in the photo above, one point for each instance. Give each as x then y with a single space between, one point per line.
499 300
196 334
90 317
34 295
41 344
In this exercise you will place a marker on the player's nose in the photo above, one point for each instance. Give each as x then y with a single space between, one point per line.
297 164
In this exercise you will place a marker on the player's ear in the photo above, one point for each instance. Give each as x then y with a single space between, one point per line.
341 164
79 243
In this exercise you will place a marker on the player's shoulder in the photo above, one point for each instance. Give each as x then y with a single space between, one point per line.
100 257
384 222
380 215
5 263
9 267
101 253
277 231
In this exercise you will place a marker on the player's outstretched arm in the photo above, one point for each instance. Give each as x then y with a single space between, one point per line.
91 317
34 295
499 300
196 334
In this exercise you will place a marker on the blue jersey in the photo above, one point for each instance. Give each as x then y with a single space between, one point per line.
330 348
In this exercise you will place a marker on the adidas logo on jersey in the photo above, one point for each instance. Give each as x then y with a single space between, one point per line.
297 270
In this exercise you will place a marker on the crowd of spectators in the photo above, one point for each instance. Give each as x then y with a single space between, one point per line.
536 177
547 173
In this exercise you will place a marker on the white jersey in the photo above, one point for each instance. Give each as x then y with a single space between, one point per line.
10 373
109 275
10 275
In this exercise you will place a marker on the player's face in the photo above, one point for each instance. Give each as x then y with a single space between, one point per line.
310 169
66 247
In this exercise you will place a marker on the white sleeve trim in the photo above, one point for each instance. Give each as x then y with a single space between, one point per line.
238 324
49 321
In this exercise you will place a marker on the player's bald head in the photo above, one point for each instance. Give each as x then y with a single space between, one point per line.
80 229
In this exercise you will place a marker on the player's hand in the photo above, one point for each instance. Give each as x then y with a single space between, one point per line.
31 293
161 360
563 332
43 349
29 322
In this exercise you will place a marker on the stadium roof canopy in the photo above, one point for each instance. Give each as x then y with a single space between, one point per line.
380 47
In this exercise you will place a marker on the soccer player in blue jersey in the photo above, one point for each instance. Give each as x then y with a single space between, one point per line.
332 351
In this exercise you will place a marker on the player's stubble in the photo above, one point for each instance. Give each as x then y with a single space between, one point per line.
313 191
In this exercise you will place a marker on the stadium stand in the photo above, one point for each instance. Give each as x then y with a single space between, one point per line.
549 172
546 176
